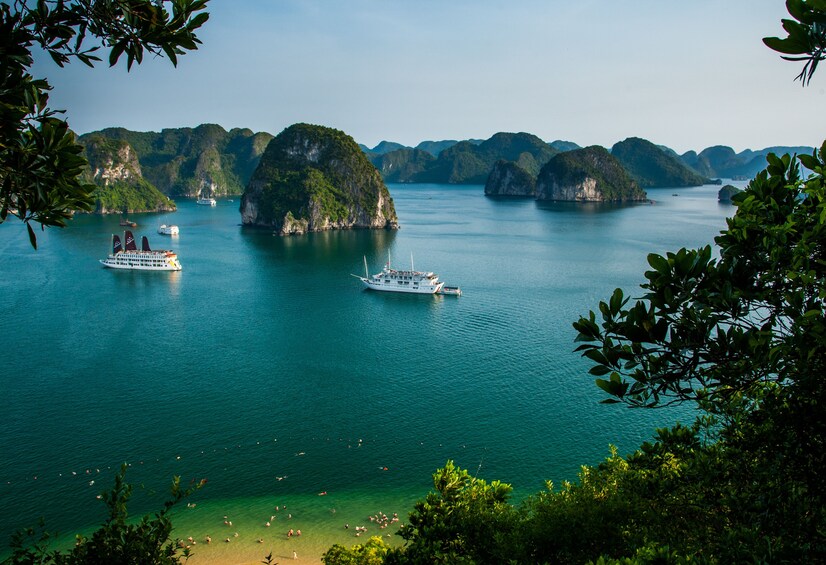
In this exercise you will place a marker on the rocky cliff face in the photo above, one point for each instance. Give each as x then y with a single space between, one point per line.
112 161
314 178
202 161
587 175
114 168
509 179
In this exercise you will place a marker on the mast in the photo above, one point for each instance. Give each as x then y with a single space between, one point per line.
366 272
411 262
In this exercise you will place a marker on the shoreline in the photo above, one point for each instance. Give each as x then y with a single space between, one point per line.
314 531
323 520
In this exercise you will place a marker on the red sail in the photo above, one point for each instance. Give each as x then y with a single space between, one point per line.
130 241
116 246
145 244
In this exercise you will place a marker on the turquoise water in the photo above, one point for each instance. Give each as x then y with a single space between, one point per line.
264 358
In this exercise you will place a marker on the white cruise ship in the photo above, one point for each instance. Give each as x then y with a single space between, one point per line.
168 230
129 256
206 201
391 280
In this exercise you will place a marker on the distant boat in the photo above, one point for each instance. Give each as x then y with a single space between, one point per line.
168 230
391 280
128 256
206 202
128 223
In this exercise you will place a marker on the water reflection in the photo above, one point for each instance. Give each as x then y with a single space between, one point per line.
335 247
585 207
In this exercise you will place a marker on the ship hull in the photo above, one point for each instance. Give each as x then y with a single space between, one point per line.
382 287
135 266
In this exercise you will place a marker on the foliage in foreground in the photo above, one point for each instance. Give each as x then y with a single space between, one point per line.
40 160
118 541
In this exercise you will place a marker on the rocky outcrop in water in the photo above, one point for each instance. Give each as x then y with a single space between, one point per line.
587 175
724 194
509 179
314 178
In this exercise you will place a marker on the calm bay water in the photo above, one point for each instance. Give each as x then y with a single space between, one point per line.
264 367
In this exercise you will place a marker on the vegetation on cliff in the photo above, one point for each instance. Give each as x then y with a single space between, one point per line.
466 162
120 187
650 166
402 165
590 173
206 160
317 176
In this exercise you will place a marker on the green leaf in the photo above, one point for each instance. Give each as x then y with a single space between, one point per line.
32 237
659 263
599 370
117 51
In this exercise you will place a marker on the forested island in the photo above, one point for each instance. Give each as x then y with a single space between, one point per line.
590 174
314 178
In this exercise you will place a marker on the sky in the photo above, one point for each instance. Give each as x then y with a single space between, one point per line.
685 74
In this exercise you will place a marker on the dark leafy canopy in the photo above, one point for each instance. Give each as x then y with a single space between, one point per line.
40 161
712 329
465 520
806 39
119 540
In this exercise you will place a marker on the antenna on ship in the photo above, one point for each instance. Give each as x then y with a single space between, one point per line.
411 261
366 272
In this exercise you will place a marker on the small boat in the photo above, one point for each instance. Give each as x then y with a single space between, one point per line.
207 201
128 256
125 222
168 230
451 290
391 280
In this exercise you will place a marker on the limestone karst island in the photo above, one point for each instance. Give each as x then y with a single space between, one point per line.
314 178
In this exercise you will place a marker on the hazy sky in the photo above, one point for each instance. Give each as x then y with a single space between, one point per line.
686 74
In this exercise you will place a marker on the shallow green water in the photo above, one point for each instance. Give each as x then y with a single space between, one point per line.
263 358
